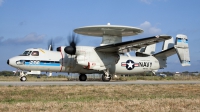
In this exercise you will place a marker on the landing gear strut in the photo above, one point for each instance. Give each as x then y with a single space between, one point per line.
22 76
82 77
106 77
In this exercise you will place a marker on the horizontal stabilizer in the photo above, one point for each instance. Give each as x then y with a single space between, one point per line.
166 53
181 48
139 54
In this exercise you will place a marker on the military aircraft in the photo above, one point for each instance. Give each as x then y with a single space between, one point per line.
108 59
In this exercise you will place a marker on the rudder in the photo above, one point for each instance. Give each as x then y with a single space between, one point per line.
182 49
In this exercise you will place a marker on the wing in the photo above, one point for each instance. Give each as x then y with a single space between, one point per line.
128 46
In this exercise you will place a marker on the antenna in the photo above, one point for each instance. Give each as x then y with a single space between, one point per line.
49 47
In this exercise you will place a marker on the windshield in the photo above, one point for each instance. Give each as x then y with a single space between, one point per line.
26 53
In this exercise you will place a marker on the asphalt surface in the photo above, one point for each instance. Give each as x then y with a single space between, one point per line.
44 83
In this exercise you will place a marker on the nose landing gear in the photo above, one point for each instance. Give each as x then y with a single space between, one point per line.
23 76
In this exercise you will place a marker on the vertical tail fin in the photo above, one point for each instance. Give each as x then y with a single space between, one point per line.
182 49
168 44
146 51
150 49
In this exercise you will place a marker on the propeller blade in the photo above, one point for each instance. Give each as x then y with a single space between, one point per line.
72 41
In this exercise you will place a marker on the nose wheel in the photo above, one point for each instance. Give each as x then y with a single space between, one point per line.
23 78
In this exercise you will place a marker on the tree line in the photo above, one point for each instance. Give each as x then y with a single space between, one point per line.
6 73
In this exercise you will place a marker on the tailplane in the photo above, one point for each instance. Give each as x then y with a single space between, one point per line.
181 48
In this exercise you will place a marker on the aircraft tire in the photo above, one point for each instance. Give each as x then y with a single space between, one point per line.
82 77
23 79
105 79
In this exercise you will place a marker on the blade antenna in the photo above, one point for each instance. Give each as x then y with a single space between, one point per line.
50 45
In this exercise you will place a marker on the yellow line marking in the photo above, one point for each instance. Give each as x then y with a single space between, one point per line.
42 50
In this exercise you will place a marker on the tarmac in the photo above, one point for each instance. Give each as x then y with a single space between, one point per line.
46 83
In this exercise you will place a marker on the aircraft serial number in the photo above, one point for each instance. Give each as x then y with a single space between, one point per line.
35 62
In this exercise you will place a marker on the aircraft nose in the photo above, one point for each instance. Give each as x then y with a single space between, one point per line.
12 61
8 61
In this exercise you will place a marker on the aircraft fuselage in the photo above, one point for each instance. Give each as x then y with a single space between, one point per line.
86 61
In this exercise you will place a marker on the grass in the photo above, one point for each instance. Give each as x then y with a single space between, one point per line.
127 98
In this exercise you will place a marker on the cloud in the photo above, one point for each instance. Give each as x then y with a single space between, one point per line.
1 2
149 29
1 38
31 38
146 1
59 39
150 1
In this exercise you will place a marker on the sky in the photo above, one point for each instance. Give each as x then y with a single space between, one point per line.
31 23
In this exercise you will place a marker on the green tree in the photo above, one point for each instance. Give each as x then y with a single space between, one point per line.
6 73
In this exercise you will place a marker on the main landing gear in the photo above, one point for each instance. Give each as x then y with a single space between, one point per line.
106 77
82 77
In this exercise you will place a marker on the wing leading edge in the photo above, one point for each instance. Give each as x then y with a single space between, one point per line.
128 46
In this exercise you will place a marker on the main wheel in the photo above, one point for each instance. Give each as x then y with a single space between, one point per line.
23 79
105 79
82 77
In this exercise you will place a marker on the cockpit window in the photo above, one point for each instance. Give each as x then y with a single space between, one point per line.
29 53
26 53
35 53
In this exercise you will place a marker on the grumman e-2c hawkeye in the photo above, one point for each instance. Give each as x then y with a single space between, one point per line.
105 59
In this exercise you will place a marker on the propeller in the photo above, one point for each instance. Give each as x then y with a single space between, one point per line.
72 41
51 45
